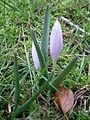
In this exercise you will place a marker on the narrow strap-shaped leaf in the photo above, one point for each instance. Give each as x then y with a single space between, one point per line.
39 53
17 92
64 73
27 104
45 37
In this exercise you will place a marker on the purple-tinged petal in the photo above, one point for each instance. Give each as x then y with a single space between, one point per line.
56 41
35 57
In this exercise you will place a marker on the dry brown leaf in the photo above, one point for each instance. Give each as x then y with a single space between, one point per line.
64 98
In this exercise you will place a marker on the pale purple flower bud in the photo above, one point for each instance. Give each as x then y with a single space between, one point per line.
35 57
56 41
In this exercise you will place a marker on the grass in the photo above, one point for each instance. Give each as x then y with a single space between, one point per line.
11 11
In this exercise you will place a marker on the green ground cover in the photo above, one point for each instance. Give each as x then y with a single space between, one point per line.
13 14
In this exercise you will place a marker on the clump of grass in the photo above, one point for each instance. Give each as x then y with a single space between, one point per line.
9 36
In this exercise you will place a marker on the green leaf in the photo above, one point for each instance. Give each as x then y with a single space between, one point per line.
27 104
39 53
64 73
45 37
17 92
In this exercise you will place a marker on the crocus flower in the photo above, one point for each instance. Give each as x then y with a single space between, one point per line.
35 57
56 41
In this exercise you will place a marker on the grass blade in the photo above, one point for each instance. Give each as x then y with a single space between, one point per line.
11 6
34 2
81 67
45 36
28 61
17 92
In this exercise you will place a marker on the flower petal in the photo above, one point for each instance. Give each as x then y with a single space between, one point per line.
56 41
35 57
